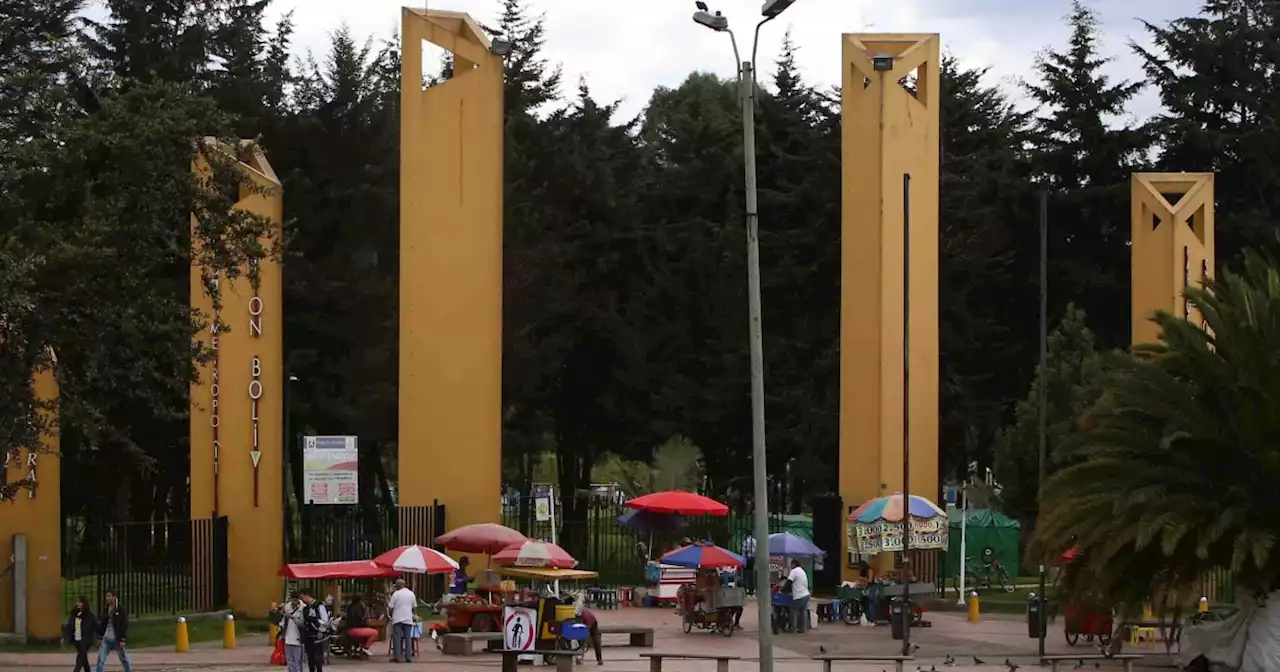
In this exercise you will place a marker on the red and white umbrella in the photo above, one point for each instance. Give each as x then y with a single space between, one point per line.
534 553
417 559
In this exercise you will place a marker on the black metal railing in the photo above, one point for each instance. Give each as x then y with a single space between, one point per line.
156 567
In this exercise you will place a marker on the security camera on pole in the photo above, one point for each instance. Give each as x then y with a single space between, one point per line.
747 87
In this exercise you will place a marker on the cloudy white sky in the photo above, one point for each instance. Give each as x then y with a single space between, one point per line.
624 48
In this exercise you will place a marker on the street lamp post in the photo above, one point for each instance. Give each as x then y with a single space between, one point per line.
747 94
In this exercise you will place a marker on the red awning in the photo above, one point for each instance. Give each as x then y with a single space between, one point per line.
354 569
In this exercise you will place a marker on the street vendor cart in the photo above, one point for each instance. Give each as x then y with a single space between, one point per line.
1083 618
541 618
706 603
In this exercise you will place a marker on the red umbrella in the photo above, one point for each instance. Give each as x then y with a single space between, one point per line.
1071 554
683 503
534 553
417 559
480 538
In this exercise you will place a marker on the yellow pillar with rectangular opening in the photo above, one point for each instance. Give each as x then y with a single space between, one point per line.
451 272
237 463
36 513
1172 233
889 110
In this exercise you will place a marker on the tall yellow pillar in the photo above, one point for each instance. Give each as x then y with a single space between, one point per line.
36 513
1172 245
889 110
451 272
237 463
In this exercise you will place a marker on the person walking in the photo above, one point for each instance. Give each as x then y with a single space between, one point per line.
315 630
291 629
113 629
799 597
749 554
79 632
401 606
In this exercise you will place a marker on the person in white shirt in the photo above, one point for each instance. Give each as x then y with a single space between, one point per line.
401 606
291 626
799 597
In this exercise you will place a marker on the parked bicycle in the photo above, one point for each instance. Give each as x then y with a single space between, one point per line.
983 574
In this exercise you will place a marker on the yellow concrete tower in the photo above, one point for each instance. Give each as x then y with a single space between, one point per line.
889 110
237 463
1172 245
451 272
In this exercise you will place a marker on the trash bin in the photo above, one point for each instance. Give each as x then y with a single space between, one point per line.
1037 624
899 616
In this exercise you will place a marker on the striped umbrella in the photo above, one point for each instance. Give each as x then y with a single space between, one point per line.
889 509
417 559
534 553
703 555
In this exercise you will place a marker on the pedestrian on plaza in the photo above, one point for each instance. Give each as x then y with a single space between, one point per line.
593 630
315 630
400 606
749 554
113 629
291 624
799 597
79 631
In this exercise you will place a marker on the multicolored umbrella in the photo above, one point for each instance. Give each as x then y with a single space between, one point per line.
877 526
703 555
480 538
889 509
416 559
534 553
677 501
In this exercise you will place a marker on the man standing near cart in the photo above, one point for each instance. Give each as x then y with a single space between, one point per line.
401 607
749 554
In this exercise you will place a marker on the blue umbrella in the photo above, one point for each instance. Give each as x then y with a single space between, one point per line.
703 555
785 543
641 519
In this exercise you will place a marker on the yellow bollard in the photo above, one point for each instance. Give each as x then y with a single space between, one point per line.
973 607
183 642
1148 613
229 633
1204 604
273 630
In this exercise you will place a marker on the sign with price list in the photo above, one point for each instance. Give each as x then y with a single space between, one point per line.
331 468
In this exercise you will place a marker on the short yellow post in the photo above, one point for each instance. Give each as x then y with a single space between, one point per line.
1204 604
1148 613
229 633
182 643
273 630
973 607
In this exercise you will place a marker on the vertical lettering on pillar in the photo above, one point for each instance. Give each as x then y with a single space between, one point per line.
255 383
215 387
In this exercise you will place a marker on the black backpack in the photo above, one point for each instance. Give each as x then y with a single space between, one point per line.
312 628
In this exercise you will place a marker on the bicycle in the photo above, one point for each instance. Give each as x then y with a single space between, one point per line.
986 571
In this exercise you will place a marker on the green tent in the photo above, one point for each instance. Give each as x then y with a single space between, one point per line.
987 529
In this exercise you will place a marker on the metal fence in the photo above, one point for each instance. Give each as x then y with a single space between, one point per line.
156 567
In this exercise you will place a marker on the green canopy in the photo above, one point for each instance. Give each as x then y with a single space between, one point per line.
987 529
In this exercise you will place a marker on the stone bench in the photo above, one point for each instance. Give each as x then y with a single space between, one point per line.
655 660
828 658
639 636
463 643
511 659
1125 658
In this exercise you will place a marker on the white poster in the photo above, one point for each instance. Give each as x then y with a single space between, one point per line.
542 508
518 633
331 468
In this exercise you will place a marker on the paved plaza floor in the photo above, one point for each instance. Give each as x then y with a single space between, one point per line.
993 640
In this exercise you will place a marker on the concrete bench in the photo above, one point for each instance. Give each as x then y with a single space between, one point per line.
463 643
511 659
639 636
828 658
1125 658
655 660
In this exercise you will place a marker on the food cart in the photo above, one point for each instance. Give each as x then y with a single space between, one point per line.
706 603
1083 619
552 616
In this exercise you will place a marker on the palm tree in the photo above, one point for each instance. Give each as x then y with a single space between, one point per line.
1175 471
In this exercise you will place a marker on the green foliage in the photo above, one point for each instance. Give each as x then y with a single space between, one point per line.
1174 473
1070 384
675 465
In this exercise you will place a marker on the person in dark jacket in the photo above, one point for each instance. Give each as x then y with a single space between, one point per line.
113 629
80 631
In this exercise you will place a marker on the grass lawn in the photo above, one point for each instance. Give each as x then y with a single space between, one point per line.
150 633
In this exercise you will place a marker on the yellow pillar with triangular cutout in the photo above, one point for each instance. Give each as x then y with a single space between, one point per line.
1172 233
888 129
450 430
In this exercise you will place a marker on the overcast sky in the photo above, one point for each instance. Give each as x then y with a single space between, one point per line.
625 48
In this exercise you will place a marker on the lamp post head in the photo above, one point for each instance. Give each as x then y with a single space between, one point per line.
773 8
716 22
882 62
501 48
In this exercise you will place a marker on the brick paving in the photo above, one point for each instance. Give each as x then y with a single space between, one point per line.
993 640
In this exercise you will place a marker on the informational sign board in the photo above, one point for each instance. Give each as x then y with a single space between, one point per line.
331 468
542 508
518 633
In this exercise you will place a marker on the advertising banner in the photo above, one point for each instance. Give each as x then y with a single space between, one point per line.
331 467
